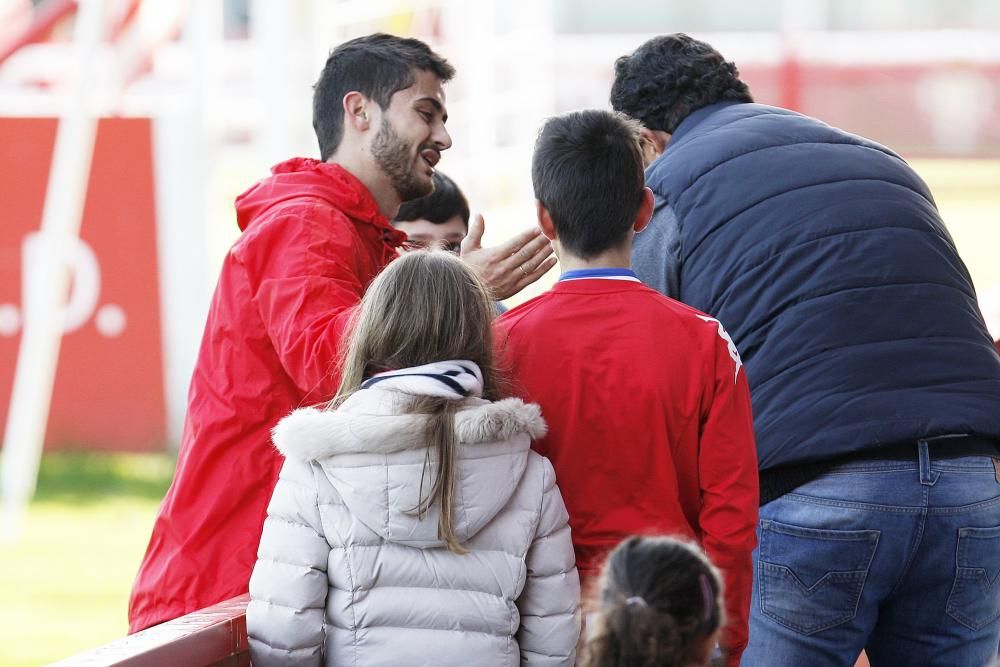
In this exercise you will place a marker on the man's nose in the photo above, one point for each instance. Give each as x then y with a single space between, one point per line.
441 138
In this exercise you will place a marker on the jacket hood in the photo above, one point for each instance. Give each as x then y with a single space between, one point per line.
374 455
300 178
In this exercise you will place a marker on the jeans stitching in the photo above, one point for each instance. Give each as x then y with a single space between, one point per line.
924 461
774 526
893 509
984 466
966 509
963 501
962 576
858 577
847 504
914 548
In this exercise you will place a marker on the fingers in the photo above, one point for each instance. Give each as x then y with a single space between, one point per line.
518 241
531 253
509 267
474 238
526 277
543 267
531 258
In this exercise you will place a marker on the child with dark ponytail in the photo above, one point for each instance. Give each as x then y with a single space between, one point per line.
660 604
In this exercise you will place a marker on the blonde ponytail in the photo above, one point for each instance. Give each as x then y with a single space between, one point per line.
440 434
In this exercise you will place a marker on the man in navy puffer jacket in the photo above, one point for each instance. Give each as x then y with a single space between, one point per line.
875 385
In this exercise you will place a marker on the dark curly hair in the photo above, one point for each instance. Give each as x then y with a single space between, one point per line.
660 597
670 76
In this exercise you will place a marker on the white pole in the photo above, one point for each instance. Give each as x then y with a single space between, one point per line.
184 149
45 304
270 32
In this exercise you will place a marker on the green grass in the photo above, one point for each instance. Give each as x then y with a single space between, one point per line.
968 194
64 583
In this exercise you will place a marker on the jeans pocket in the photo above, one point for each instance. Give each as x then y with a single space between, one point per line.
811 579
975 596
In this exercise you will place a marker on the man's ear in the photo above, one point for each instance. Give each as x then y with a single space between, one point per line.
356 111
645 213
545 221
658 138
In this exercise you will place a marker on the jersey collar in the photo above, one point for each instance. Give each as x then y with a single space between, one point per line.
602 274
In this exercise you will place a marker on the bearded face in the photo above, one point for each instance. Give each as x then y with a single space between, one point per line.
402 163
410 136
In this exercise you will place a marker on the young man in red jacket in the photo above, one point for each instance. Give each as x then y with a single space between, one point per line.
650 429
314 236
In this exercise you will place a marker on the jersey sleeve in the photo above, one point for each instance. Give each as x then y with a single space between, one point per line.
729 486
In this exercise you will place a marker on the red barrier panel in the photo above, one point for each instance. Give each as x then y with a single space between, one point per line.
108 391
212 637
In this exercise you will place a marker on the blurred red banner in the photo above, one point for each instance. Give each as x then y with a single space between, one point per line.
108 392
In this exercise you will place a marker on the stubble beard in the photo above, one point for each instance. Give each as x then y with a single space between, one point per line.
393 157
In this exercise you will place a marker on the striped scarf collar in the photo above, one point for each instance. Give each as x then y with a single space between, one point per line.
448 379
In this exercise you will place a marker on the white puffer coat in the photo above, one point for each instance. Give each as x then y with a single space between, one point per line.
347 573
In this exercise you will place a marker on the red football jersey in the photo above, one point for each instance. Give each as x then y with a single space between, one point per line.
650 425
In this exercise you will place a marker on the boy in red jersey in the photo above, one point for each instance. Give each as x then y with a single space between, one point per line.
650 428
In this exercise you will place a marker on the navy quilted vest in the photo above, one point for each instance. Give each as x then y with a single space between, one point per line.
825 257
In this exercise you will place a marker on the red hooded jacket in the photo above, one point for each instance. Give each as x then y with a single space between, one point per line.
312 241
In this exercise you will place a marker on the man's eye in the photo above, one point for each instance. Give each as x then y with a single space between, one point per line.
452 246
427 116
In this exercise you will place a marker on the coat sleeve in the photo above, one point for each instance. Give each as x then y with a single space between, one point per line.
307 277
289 585
550 602
727 468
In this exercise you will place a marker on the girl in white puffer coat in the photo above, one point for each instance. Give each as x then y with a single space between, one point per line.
411 523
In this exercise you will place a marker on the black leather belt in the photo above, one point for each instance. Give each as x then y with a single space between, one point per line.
776 482
937 448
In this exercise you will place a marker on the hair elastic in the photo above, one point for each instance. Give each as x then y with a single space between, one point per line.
636 600
707 597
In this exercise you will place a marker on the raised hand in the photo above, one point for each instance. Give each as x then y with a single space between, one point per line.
511 266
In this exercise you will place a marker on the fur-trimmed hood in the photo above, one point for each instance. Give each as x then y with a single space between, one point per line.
373 453
371 422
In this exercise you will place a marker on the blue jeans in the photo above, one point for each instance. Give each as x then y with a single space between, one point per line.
900 558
